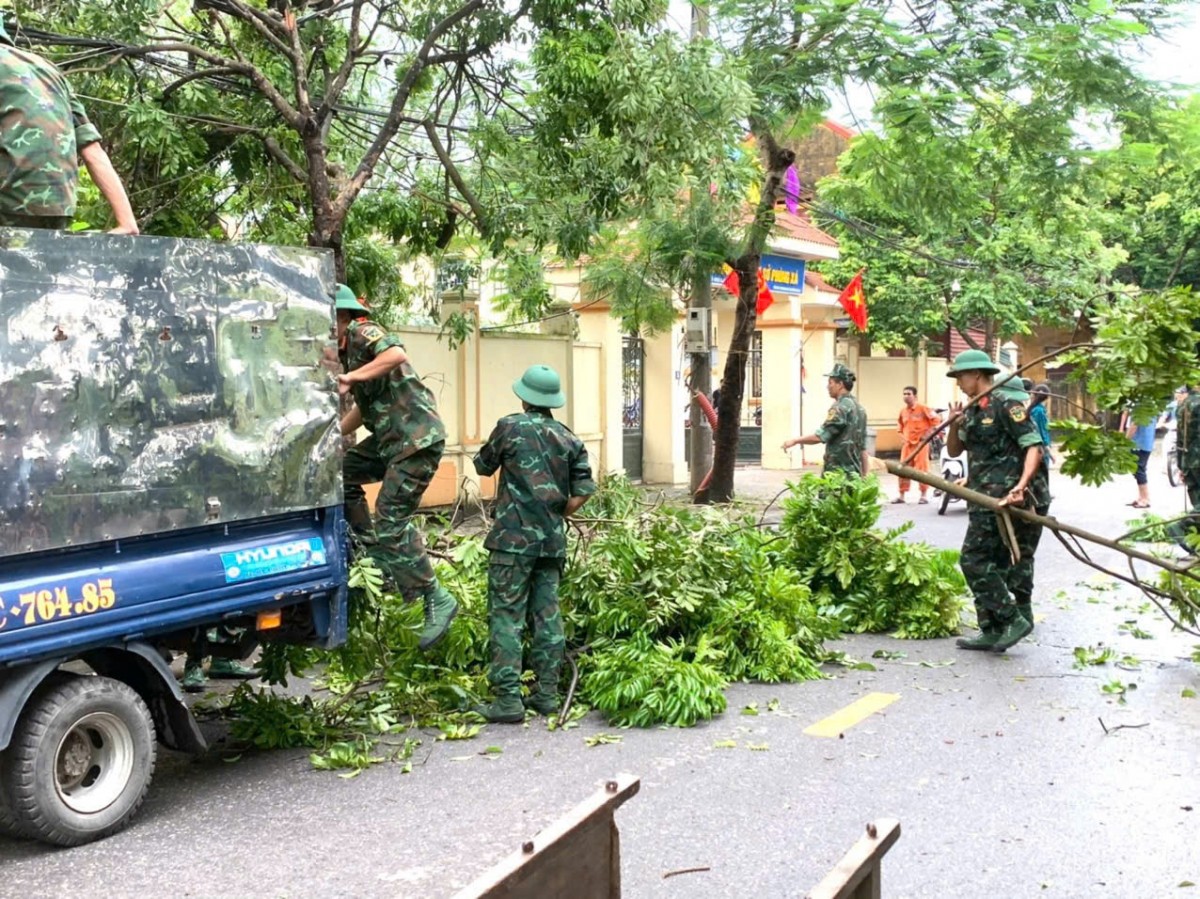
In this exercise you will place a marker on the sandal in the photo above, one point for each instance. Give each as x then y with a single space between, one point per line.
899 500
922 502
1138 505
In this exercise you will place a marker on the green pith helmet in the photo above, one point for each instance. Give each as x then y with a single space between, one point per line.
345 301
540 386
841 373
972 360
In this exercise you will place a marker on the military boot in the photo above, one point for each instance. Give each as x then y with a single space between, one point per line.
1015 630
985 640
231 669
504 709
440 609
543 703
988 631
194 679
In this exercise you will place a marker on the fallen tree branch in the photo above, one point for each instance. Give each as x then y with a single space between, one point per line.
697 870
1113 730
1071 537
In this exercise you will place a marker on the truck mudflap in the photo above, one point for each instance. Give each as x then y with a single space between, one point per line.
139 665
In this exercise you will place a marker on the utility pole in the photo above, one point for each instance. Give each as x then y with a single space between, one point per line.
699 330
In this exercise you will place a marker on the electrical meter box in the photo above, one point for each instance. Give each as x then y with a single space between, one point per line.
697 334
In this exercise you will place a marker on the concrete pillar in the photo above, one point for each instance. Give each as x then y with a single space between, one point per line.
663 404
820 354
781 399
601 328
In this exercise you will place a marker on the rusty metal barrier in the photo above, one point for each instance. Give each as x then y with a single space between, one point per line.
857 875
579 855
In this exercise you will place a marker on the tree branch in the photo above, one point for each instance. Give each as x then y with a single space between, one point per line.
366 166
268 28
197 75
354 53
240 66
480 216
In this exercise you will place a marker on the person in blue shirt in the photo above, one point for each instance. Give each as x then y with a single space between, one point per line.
1143 444
1038 415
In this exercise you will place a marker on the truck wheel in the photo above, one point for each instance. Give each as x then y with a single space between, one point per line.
80 762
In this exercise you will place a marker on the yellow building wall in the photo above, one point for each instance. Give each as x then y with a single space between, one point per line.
880 388
473 386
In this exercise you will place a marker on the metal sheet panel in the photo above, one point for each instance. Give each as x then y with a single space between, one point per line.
152 384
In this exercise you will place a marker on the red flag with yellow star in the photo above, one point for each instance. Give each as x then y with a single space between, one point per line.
855 302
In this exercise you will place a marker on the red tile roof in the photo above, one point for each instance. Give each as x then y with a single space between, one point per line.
799 227
814 280
840 130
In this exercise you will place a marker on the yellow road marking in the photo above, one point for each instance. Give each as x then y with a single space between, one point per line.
844 719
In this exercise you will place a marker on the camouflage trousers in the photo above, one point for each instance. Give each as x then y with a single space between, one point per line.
1000 588
394 540
1180 531
524 589
1191 480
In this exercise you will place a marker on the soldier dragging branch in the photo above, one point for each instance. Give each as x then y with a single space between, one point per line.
1005 451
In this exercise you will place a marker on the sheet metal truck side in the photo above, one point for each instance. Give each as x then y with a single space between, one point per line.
169 461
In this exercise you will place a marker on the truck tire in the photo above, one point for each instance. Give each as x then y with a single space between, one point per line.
80 761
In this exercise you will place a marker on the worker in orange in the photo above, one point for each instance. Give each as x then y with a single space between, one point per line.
916 422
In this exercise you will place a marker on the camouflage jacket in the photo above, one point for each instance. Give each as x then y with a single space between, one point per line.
542 464
42 129
1187 432
398 409
996 432
844 434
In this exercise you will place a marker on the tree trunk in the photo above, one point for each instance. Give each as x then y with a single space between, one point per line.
733 379
327 220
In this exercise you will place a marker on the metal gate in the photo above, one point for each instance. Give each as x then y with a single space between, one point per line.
632 415
749 449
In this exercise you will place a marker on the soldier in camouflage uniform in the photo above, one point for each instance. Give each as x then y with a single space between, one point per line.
1005 451
1187 448
545 476
44 131
844 432
403 451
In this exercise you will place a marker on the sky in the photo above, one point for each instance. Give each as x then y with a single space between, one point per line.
1173 59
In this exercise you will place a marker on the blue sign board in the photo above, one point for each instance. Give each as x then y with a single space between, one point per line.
783 274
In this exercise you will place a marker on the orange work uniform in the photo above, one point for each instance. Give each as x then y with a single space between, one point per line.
915 423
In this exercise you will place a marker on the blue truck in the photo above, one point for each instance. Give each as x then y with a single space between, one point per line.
170 462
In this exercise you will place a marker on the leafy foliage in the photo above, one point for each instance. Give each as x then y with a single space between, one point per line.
663 607
863 578
1015 240
1146 348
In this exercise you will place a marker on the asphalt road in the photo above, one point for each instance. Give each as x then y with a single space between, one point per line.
1012 776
